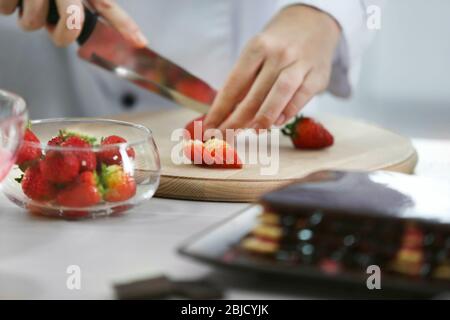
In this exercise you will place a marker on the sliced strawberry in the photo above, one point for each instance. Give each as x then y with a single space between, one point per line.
85 191
87 158
193 150
195 129
213 153
36 186
29 152
111 156
306 133
118 185
60 166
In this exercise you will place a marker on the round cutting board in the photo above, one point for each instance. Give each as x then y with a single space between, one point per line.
358 146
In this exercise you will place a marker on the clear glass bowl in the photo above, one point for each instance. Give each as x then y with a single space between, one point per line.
141 166
13 119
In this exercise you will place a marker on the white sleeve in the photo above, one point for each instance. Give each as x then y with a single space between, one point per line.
351 15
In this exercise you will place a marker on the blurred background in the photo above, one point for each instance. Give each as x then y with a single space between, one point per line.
405 76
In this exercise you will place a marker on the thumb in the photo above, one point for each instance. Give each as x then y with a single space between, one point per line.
120 20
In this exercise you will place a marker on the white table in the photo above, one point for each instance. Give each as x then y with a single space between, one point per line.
35 252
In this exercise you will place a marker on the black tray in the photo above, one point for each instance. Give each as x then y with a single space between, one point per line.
218 246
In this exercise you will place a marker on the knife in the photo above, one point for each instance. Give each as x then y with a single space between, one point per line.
105 47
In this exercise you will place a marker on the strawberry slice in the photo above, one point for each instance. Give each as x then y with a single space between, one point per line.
85 191
193 134
119 185
306 133
112 156
29 152
214 153
36 186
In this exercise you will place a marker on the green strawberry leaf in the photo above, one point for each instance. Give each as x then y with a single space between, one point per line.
67 134
289 129
19 179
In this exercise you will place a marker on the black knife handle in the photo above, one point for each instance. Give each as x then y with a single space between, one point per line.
90 20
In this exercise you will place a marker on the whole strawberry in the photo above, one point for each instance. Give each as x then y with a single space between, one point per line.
29 152
55 141
36 186
306 133
112 155
60 166
118 185
85 191
87 158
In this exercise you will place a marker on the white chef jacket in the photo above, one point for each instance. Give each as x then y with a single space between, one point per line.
203 36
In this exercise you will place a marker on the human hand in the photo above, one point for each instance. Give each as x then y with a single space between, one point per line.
34 17
278 72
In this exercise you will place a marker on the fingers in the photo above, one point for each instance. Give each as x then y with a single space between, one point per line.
8 6
34 14
281 93
238 83
246 110
314 83
61 34
120 20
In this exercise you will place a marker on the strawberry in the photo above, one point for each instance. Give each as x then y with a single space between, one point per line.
55 141
60 167
85 191
119 186
213 153
36 187
191 132
111 156
29 152
87 158
306 133
66 135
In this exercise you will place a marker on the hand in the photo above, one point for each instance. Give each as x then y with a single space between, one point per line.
34 16
279 71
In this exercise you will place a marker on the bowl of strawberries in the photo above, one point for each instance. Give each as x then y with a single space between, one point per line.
83 168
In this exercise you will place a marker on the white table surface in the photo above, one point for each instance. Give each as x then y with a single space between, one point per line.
35 252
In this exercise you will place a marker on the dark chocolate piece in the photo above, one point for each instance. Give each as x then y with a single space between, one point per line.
162 287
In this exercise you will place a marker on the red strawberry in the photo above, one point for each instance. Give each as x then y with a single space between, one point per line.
87 158
213 153
119 186
29 152
36 187
306 133
111 156
66 135
60 167
84 192
55 141
196 123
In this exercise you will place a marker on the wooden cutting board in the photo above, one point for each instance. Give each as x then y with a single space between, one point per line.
358 146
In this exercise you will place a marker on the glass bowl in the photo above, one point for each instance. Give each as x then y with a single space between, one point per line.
107 178
13 118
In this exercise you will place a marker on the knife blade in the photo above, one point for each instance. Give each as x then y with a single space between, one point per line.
103 46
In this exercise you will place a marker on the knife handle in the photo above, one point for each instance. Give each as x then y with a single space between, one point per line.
90 20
